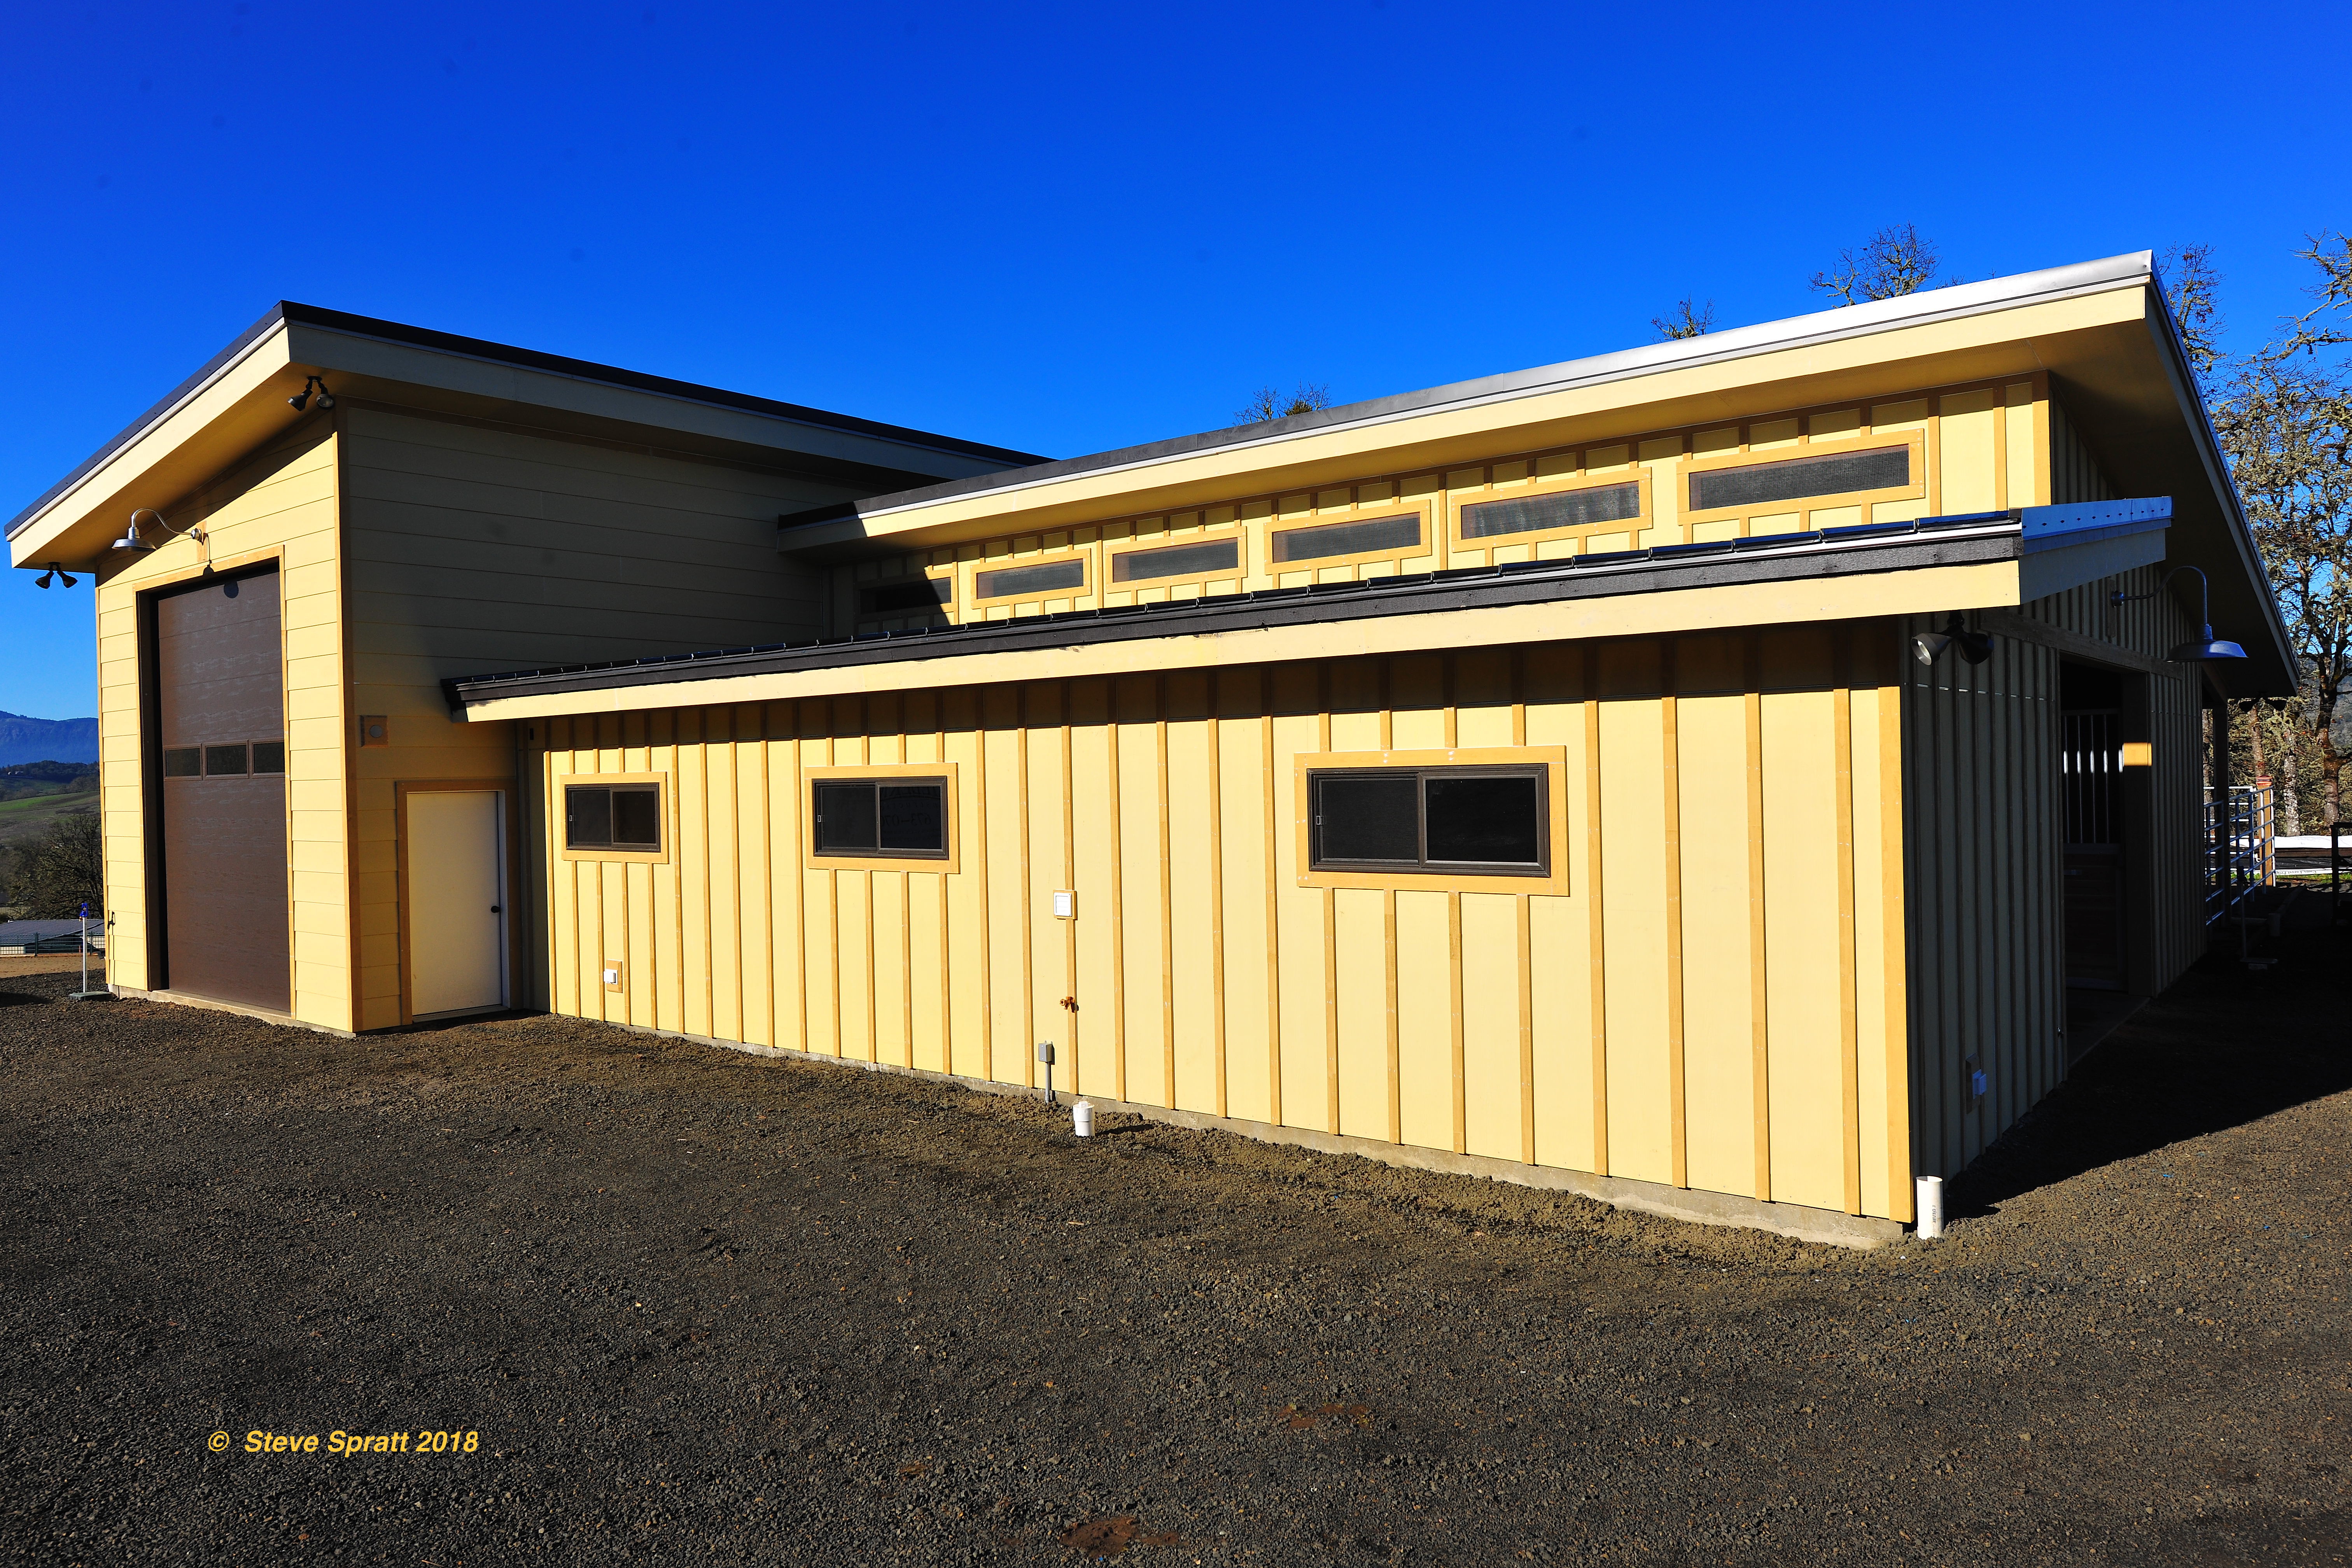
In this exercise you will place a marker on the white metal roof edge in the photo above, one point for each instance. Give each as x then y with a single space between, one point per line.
1843 323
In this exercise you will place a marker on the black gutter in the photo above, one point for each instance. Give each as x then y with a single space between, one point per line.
288 311
1867 548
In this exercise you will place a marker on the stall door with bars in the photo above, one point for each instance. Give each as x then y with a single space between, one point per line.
2092 755
456 898
221 721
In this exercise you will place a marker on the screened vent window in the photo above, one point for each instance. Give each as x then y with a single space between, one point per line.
613 816
1491 821
220 761
903 599
1565 508
1402 532
1015 582
1217 555
184 762
1799 478
881 816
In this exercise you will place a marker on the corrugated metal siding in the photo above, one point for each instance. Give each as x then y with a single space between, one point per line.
1982 826
2075 473
1727 821
1981 783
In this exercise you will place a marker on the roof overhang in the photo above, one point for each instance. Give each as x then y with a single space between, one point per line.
2099 329
236 405
1930 567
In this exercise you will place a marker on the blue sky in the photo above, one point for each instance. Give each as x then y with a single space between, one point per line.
1064 229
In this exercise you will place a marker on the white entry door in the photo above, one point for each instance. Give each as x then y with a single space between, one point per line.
456 898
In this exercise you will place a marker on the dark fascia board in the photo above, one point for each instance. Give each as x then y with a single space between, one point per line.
288 311
1739 342
1870 548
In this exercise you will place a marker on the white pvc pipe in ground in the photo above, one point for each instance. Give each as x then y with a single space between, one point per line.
1082 1119
1931 1207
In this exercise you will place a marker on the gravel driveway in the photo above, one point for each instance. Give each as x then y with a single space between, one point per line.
678 1304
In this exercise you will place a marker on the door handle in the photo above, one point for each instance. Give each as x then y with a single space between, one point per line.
495 909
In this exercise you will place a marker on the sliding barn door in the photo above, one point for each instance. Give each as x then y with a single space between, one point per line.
222 714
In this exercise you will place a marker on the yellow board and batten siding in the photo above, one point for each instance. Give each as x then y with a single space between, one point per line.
1977 447
278 506
1210 978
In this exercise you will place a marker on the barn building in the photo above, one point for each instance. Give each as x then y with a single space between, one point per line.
1699 776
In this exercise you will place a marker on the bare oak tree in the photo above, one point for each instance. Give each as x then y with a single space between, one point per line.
1265 403
2284 420
1685 320
1892 262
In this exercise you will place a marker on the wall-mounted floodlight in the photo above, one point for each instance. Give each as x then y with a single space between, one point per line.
1975 646
2203 648
59 573
326 398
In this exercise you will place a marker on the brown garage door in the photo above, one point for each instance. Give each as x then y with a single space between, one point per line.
221 707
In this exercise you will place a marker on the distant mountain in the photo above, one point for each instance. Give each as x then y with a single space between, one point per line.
24 739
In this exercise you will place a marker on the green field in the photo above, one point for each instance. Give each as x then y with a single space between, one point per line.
25 818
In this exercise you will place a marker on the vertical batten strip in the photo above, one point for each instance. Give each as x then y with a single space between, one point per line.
1389 934
1841 758
1167 898
799 882
1460 1063
1896 1007
1526 938
1028 935
1273 909
940 883
1216 695
1759 1027
1670 816
1070 881
1118 897
1329 907
979 860
1593 893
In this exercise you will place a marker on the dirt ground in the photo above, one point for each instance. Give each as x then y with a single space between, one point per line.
684 1305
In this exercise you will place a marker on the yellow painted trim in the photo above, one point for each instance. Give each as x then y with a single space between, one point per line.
1552 759
1921 591
669 812
1114 551
1085 586
1371 512
1900 1197
1459 502
1842 445
811 860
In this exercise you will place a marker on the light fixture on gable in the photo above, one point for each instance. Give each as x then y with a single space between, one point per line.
2204 647
326 398
59 573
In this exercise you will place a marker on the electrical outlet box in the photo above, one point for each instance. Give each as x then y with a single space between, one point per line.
376 730
612 975
1066 905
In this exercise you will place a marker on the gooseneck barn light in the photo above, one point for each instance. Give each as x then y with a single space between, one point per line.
1975 646
326 398
2203 648
133 545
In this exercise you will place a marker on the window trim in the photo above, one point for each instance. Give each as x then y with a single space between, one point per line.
1114 551
933 576
1458 504
1559 845
1835 447
670 816
1084 555
1366 511
804 808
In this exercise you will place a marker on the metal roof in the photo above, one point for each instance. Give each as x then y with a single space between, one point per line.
1865 547
288 311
